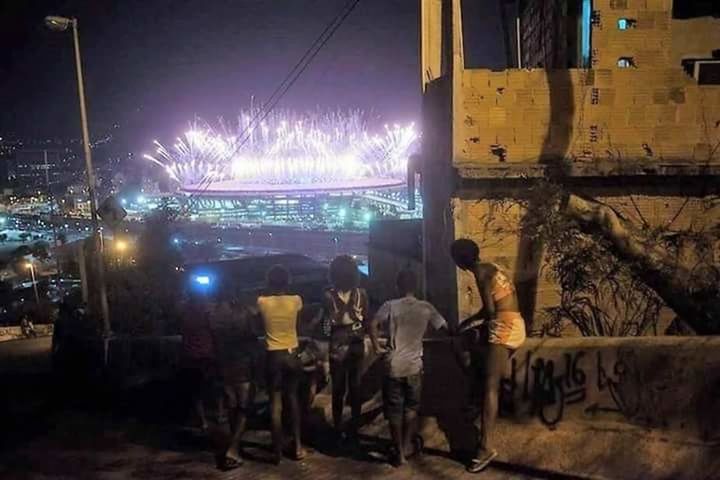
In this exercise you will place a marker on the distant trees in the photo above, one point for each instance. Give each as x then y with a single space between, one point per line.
145 297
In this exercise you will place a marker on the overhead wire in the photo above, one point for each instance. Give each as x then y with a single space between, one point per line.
293 75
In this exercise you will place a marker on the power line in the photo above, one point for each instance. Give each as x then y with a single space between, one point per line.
298 69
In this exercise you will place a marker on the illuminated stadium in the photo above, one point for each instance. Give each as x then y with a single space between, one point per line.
318 171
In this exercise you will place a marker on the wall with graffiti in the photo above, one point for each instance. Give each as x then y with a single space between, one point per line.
665 383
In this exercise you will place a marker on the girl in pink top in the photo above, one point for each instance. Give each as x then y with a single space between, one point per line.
500 329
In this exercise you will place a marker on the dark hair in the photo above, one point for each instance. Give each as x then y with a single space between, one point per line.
278 278
406 282
344 274
465 253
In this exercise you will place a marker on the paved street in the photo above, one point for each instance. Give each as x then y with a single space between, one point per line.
25 356
51 432
82 446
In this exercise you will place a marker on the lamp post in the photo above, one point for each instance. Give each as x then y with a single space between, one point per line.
61 24
31 267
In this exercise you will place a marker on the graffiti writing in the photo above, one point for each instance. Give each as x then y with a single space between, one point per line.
622 384
548 386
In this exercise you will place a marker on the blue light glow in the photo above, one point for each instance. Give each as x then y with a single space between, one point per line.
585 28
123 201
202 279
140 199
623 24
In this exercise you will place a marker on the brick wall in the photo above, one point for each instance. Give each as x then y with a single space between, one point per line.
647 115
652 113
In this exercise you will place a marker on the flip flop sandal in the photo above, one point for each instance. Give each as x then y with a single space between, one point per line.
477 465
296 455
229 463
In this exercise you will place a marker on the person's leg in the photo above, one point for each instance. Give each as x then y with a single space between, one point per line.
494 361
238 420
222 414
199 406
197 382
338 376
412 393
393 404
274 386
231 395
291 377
355 382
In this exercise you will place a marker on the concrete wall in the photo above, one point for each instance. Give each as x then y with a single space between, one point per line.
614 408
627 116
437 184
494 223
13 333
394 245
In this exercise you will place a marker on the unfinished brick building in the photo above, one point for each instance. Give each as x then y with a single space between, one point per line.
637 127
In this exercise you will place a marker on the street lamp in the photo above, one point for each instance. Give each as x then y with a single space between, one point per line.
30 267
120 245
61 24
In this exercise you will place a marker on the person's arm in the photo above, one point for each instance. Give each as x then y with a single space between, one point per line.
364 304
461 352
487 312
298 314
379 317
318 316
437 321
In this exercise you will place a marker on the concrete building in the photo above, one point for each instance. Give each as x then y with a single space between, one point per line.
638 129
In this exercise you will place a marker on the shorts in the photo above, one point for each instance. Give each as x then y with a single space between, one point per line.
198 374
237 370
283 369
401 395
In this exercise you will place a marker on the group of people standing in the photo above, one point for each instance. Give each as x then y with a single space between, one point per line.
220 338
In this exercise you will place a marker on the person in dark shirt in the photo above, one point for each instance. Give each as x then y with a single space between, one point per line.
236 337
198 353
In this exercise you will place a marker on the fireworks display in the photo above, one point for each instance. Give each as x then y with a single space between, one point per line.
287 148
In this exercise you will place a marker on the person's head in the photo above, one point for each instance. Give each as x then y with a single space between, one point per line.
465 253
278 278
406 282
344 273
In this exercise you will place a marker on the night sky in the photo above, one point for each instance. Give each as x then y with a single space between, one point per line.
151 66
